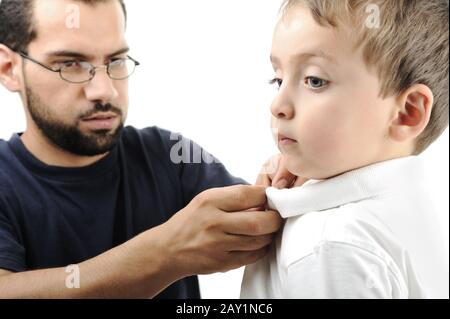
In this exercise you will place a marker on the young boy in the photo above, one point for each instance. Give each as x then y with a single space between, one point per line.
363 89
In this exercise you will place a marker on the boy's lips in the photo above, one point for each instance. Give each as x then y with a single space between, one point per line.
285 140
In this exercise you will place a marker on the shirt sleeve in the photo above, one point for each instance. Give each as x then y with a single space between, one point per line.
12 252
341 271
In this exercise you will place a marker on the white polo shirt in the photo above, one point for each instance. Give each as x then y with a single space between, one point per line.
368 233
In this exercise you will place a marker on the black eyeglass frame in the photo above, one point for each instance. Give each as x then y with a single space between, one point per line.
92 70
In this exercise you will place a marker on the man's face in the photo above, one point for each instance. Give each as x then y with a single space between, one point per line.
328 115
84 119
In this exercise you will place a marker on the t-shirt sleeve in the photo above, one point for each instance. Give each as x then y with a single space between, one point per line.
12 252
197 169
341 271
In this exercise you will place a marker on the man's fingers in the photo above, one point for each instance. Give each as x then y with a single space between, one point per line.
299 181
236 198
243 258
263 180
270 167
283 178
252 223
247 243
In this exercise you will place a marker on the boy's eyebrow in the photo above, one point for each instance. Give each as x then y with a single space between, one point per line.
74 54
307 55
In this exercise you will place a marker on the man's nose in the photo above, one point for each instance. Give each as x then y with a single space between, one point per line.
101 88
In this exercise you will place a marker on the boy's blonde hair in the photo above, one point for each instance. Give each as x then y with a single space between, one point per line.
408 45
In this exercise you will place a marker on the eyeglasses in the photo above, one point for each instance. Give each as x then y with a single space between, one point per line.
81 72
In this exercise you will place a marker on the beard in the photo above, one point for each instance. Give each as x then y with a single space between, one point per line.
69 137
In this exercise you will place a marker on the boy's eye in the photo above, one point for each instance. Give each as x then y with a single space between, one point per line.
315 83
277 81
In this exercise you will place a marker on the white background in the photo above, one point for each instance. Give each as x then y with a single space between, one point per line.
205 67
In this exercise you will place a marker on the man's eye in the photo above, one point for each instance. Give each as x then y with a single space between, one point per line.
70 64
276 81
117 61
315 83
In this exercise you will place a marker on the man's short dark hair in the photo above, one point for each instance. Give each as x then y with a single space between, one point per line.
17 29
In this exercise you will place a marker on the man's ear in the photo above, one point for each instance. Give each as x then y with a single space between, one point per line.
10 74
413 113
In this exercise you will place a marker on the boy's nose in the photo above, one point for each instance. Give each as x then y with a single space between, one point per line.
282 108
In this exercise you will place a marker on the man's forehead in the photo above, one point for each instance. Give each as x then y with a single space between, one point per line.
77 16
85 54
100 30
79 49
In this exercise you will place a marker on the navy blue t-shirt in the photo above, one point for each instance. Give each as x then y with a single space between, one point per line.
53 216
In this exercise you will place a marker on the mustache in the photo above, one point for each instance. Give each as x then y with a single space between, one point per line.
99 107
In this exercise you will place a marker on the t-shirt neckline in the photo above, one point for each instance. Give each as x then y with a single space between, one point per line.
96 169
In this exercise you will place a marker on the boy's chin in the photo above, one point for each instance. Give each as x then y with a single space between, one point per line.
294 165
307 170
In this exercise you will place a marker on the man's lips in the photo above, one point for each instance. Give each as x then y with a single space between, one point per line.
101 116
101 121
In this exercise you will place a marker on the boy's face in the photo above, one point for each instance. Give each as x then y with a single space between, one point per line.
328 116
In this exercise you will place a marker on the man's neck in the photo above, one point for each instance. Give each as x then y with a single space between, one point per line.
52 155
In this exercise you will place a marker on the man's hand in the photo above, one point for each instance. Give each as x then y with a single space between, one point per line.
213 233
216 233
274 173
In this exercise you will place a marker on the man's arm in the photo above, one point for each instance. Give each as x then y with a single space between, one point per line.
4 272
213 233
132 270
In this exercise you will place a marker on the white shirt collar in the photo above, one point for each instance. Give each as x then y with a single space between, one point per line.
353 186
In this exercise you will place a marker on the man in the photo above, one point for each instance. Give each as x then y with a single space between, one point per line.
78 188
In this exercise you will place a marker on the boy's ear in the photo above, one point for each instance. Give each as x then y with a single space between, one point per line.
413 113
10 75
